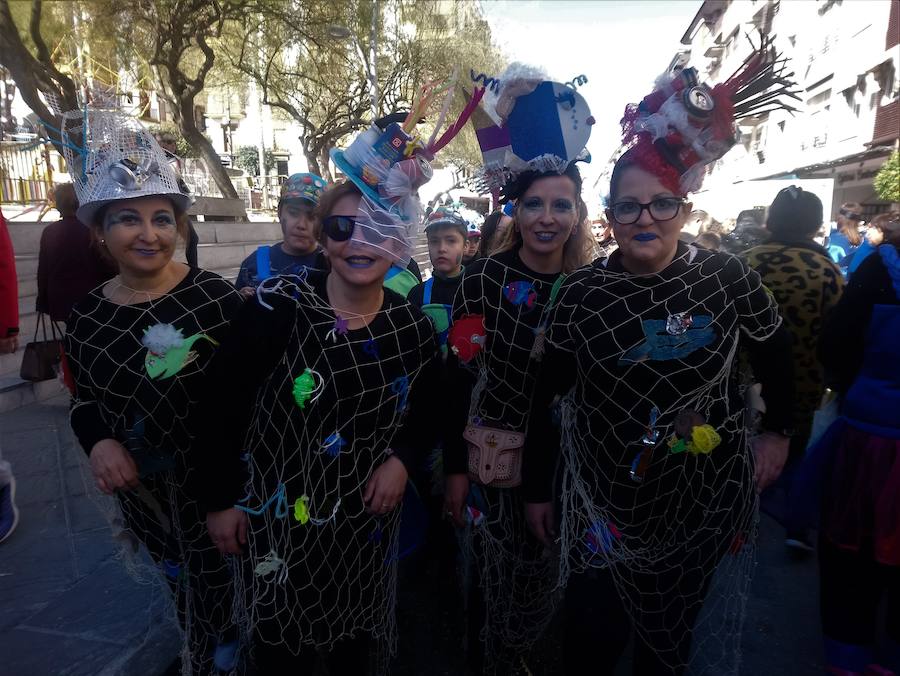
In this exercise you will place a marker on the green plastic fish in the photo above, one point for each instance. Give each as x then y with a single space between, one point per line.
168 363
301 509
304 386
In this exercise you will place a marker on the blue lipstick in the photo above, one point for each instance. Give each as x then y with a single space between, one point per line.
645 237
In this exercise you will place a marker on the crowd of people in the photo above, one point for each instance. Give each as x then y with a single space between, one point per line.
584 432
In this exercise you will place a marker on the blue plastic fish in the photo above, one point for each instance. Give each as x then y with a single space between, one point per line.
400 387
661 345
520 293
601 536
334 444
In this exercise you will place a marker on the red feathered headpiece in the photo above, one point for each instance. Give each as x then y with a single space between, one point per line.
682 126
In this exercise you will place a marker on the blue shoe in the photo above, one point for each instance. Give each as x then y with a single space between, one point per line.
9 513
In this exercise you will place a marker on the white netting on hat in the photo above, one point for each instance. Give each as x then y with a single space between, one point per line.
673 523
387 232
149 416
319 567
111 156
514 573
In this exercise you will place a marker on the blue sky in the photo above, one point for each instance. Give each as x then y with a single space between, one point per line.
621 46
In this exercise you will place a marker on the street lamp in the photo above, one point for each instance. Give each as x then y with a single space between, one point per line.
340 32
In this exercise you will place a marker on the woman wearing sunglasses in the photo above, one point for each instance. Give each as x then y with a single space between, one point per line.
330 375
658 483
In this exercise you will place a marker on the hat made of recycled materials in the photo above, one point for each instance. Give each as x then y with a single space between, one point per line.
529 123
683 125
444 217
389 162
111 156
308 187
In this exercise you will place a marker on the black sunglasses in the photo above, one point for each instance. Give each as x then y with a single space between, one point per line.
627 212
852 215
340 229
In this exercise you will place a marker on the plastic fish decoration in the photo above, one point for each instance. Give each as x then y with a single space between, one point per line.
601 536
301 510
268 565
521 293
305 387
168 351
334 444
468 337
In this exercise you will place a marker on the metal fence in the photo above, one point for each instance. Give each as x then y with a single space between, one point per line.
26 172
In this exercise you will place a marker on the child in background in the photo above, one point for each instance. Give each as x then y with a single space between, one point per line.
300 248
446 232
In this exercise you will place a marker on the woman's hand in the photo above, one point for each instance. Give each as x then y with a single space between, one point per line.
541 521
247 292
385 489
456 490
228 530
770 452
113 467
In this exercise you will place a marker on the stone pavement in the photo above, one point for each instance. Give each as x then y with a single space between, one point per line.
68 608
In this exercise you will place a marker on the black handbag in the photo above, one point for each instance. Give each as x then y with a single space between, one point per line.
42 357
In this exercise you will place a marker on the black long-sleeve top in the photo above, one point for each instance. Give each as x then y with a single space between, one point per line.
116 397
375 393
512 299
630 344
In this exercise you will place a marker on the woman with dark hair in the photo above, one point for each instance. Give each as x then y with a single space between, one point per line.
499 316
317 412
857 464
489 234
806 285
657 478
138 347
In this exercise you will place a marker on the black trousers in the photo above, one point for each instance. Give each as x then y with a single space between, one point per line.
597 628
851 587
349 657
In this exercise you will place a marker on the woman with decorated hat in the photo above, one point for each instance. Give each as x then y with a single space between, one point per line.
499 313
138 347
319 407
299 250
657 482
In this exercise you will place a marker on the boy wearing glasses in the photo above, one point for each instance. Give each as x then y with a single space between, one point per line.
299 250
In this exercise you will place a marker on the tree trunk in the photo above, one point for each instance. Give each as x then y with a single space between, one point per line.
312 162
188 126
325 165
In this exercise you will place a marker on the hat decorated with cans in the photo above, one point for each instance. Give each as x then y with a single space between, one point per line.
530 123
684 125
307 187
446 217
389 162
111 156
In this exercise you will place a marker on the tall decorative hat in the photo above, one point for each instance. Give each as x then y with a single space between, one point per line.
111 156
529 123
682 126
389 163
307 187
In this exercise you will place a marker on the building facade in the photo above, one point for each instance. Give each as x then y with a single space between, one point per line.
845 57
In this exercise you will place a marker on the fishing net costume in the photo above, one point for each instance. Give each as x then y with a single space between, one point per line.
314 407
499 315
138 371
658 501
324 405
643 360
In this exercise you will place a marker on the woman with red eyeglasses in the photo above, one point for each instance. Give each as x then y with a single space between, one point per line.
331 375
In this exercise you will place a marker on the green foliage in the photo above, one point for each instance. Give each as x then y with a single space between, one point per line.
887 180
172 129
247 158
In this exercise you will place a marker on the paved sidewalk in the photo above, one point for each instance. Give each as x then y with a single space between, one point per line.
67 606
